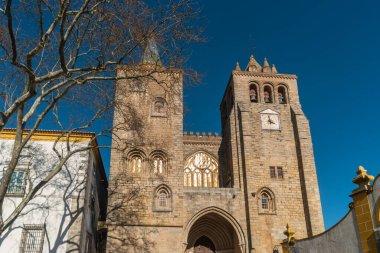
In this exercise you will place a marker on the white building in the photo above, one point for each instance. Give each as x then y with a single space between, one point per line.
65 213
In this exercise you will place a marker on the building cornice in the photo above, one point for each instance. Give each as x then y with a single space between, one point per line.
258 74
48 135
151 68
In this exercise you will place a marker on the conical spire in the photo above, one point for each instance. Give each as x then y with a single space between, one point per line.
274 70
253 65
237 66
266 67
151 55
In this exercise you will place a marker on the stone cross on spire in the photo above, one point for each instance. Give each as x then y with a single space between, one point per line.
151 55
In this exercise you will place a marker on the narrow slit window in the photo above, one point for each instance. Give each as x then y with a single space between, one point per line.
280 172
272 172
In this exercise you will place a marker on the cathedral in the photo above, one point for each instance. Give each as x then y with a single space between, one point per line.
203 192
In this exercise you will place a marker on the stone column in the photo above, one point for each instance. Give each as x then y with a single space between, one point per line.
363 213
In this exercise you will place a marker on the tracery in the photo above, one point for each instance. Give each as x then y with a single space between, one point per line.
201 170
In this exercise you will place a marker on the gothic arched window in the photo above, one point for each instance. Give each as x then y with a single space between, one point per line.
201 170
162 198
159 161
266 201
282 96
253 95
135 161
268 94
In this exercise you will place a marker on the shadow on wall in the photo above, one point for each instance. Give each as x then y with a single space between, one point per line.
57 208
127 199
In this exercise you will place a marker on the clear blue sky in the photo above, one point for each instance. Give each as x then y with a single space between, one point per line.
334 48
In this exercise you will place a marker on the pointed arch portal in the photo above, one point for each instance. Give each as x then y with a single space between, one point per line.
213 230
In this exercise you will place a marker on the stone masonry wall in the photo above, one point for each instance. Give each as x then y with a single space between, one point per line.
245 153
259 149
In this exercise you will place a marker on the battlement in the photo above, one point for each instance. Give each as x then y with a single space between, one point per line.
203 138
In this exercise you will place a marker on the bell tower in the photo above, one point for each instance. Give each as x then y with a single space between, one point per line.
269 153
146 159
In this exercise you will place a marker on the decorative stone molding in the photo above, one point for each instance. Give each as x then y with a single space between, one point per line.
202 139
266 75
290 241
362 178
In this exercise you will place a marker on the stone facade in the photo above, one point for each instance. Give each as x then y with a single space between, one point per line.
266 175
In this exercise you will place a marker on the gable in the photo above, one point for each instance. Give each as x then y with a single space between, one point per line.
269 111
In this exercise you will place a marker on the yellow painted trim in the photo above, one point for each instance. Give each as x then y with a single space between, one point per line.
44 135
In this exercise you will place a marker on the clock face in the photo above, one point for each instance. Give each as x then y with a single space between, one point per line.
270 121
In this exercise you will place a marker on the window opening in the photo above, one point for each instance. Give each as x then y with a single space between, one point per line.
16 184
264 201
280 172
163 199
32 239
158 165
267 94
281 95
159 107
136 164
253 93
203 169
272 172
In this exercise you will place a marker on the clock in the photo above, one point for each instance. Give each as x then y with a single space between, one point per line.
270 120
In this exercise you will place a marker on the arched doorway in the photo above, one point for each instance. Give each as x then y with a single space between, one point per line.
204 245
214 230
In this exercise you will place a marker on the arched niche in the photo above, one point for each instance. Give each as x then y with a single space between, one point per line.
282 94
253 93
268 93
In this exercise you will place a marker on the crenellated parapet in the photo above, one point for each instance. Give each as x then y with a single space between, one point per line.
202 138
